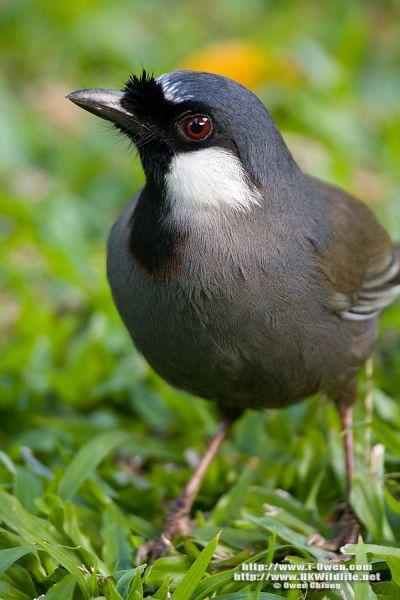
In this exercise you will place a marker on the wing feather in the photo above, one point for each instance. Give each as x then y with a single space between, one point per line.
357 257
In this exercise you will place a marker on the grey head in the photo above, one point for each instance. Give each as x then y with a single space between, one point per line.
183 114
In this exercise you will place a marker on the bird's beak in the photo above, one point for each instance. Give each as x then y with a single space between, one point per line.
107 105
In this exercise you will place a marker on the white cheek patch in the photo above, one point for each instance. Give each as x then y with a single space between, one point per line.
212 178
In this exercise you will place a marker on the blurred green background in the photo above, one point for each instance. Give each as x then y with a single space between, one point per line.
329 72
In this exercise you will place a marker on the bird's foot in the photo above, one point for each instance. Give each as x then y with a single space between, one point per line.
178 521
348 530
158 546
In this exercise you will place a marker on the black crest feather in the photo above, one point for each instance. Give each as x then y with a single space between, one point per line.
139 84
144 95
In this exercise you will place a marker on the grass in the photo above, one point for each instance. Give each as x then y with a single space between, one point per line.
93 445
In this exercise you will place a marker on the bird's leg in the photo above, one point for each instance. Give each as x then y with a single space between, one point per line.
178 520
346 417
348 526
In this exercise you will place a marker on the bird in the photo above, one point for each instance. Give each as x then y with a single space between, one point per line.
240 278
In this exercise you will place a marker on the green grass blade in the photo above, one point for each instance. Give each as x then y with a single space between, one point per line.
127 579
63 558
34 531
116 547
8 556
17 518
271 548
110 590
174 567
27 488
163 590
213 583
394 566
86 461
379 551
389 553
9 592
187 586
362 589
228 507
63 589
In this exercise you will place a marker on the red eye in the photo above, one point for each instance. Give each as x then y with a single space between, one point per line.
197 127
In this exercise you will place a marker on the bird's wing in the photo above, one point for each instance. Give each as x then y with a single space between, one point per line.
357 257
375 294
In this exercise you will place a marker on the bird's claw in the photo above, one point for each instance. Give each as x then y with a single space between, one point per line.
153 549
156 547
348 528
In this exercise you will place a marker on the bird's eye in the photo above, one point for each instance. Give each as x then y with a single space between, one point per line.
196 127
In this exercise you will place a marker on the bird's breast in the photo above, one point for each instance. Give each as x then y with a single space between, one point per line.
223 307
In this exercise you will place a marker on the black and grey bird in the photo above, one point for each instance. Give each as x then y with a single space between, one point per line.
239 277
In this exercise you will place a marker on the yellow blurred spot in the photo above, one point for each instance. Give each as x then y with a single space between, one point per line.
246 63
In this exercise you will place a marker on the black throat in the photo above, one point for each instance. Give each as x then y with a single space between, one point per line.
155 238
